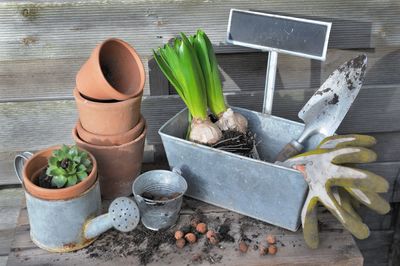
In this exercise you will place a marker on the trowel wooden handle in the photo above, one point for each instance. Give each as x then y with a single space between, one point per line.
291 149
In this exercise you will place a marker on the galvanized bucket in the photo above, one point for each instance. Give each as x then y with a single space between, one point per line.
68 225
159 214
256 188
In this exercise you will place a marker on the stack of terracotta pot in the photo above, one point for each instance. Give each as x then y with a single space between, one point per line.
108 94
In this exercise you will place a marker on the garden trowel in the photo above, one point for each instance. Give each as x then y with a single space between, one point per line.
329 105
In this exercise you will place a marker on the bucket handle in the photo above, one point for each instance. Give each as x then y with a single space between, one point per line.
177 170
139 198
19 162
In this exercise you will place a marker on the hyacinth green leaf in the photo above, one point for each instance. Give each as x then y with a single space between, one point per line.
165 68
191 39
180 65
192 69
209 66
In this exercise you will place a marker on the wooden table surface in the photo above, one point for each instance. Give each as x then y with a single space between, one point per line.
337 247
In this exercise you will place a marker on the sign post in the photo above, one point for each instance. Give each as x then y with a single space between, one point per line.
277 34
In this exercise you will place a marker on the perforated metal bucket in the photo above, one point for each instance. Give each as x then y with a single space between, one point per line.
256 188
158 214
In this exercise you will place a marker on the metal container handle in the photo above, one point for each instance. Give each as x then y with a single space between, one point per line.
19 162
177 170
147 201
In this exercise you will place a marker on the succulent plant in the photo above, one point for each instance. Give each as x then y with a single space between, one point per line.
68 166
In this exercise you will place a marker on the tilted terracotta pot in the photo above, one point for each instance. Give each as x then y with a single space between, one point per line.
35 165
110 140
108 118
113 71
118 166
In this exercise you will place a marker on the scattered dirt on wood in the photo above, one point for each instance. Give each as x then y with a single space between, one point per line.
149 246
143 243
223 231
199 216
140 242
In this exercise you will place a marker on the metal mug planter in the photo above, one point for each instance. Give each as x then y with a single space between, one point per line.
158 214
68 225
256 188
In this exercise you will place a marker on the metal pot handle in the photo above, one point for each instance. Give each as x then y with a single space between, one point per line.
19 162
177 170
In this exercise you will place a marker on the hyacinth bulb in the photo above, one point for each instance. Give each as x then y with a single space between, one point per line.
204 132
230 120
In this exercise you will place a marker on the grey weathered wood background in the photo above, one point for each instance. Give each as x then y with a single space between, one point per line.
43 44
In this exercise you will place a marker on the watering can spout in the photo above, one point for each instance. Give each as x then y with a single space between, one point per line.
97 226
123 215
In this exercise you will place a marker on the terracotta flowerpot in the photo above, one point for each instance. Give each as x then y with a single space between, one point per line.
108 118
35 165
113 71
118 166
110 140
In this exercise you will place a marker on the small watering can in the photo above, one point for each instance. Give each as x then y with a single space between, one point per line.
68 225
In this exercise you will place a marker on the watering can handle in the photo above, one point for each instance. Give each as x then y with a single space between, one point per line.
177 170
19 162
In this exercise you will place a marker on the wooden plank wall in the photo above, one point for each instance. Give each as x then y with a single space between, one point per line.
44 43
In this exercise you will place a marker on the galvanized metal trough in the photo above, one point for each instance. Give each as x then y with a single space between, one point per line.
255 188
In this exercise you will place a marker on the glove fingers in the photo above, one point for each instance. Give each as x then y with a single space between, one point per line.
309 221
355 226
354 155
370 199
360 179
345 202
336 156
352 140
356 204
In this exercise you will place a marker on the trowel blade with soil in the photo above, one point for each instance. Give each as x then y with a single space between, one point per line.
329 105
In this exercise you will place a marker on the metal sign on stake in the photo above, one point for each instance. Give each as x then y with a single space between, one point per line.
277 34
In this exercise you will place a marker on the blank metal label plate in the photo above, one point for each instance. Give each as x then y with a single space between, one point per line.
270 32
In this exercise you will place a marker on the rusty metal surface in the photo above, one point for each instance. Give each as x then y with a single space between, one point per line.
57 225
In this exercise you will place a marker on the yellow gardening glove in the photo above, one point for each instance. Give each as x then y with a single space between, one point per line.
332 183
